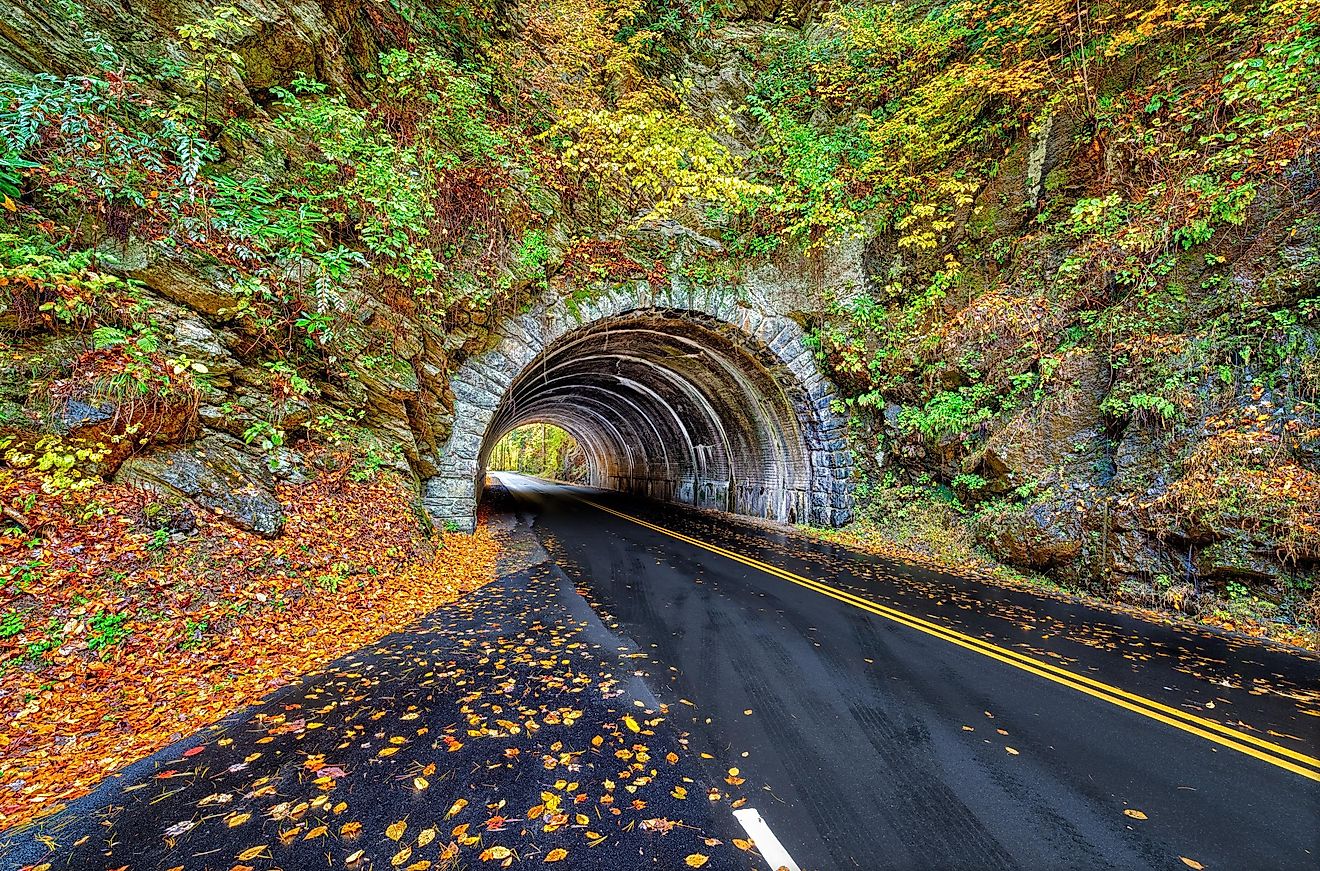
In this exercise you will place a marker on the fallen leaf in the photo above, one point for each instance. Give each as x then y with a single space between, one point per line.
696 860
558 854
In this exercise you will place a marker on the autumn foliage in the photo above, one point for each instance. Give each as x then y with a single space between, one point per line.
122 636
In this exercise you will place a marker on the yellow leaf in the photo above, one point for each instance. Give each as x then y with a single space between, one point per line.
1134 813
597 741
237 820
419 866
696 860
558 854
1192 863
671 758
396 830
1011 751
388 751
350 830
400 857
456 808
420 782
631 724
314 833
251 853
495 853
9 204
426 837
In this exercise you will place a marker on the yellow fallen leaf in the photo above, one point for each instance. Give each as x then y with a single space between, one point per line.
1192 863
558 854
1011 751
420 783
314 833
388 751
631 724
237 820
492 854
1134 813
456 808
426 837
350 830
696 860
745 846
251 853
396 830
400 857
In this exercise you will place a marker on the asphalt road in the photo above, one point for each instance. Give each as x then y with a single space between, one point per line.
644 683
508 729
868 742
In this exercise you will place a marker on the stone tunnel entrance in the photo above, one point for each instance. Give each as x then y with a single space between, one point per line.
701 404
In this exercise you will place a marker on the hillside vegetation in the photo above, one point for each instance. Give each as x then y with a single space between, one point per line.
1082 340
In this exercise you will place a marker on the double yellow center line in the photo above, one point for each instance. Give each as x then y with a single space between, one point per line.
1274 754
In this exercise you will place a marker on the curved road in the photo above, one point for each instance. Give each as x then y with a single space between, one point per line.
892 717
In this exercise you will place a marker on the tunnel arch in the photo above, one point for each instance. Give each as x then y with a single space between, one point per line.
702 400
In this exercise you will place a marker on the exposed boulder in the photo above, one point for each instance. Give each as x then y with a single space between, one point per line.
1043 441
216 472
1238 558
1040 536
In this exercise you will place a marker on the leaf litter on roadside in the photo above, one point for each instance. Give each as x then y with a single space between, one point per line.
473 703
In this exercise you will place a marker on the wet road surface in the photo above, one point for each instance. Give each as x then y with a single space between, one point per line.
505 730
643 676
876 745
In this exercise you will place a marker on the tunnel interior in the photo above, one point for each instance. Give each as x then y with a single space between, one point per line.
678 407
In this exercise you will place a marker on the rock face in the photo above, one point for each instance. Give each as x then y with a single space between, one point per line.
1055 439
216 472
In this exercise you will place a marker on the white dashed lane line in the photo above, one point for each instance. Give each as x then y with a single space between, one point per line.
766 843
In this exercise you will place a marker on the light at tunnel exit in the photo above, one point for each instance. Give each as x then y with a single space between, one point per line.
541 449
